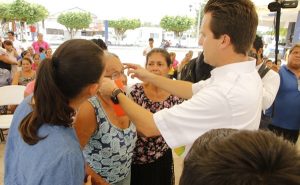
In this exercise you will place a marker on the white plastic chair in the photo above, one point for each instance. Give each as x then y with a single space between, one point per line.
9 95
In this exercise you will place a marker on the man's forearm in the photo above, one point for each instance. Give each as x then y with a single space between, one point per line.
142 118
179 88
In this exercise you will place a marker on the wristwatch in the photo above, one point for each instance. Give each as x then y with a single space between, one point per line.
114 95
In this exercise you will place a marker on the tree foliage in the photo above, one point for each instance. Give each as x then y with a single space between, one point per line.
20 10
122 25
75 21
177 24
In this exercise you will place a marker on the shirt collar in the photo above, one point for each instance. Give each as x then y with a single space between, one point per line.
258 66
238 67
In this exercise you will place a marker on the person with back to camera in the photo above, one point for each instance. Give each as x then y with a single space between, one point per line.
42 147
152 159
231 157
270 79
106 138
230 98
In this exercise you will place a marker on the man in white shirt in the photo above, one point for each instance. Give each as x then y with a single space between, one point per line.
270 79
231 98
149 48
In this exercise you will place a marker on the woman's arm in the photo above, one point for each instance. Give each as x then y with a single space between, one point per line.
96 179
8 59
85 125
15 80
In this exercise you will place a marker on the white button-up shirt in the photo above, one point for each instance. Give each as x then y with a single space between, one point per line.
231 98
271 82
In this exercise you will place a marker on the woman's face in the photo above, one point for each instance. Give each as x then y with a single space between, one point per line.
36 59
8 47
27 55
115 69
48 53
26 65
157 64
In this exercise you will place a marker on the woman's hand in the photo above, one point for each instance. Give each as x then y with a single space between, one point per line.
88 181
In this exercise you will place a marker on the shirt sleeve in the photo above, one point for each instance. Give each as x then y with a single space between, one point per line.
271 83
184 123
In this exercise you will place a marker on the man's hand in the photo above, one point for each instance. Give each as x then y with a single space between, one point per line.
136 71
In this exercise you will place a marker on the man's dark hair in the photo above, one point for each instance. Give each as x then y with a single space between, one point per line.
11 32
258 43
236 18
151 39
241 158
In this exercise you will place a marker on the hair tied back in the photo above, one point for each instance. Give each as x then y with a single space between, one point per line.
55 62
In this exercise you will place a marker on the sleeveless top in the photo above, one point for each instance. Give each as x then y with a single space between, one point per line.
150 149
25 80
109 150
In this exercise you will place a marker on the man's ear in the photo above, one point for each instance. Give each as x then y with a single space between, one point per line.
225 41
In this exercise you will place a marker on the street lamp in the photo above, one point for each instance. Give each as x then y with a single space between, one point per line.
201 4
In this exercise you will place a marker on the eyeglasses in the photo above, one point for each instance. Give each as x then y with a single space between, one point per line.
116 75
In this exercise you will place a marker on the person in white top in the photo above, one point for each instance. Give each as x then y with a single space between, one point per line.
17 44
149 48
231 98
270 79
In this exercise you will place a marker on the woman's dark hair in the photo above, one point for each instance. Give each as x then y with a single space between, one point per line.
25 58
100 43
163 52
75 65
8 43
24 53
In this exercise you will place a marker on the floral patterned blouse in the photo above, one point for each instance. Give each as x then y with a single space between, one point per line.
109 150
149 149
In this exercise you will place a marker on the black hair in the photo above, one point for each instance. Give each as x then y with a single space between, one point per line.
11 32
163 52
258 43
75 64
241 158
100 43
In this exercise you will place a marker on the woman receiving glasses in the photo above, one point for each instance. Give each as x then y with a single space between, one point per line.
107 140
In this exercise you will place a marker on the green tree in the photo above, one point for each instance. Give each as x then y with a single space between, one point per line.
122 25
22 11
75 21
177 24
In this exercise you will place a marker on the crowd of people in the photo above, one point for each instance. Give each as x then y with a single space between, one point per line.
79 124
